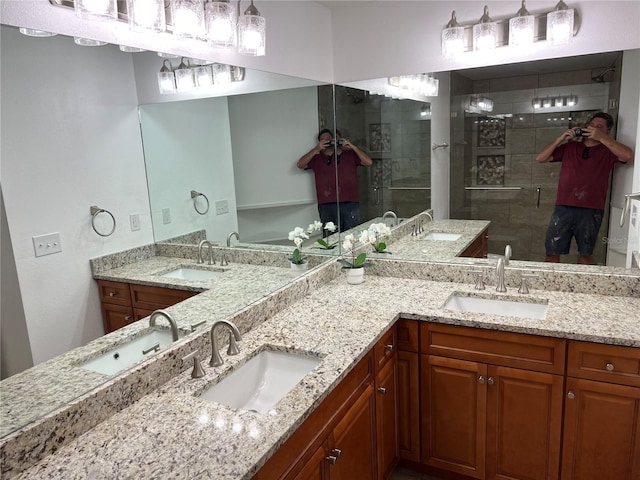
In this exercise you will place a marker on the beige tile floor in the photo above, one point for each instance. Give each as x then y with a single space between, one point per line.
404 474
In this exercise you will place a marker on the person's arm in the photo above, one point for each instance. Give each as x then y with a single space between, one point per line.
620 150
365 160
546 155
306 158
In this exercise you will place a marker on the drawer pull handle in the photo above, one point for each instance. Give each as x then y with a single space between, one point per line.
382 390
480 379
490 380
610 367
389 348
331 459
337 452
571 395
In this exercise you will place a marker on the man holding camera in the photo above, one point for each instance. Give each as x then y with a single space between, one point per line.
582 186
331 197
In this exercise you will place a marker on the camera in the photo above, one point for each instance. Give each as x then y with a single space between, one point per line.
579 132
332 143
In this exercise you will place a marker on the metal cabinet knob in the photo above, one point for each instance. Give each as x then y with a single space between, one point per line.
610 367
382 390
571 395
490 380
480 379
331 459
337 452
112 294
389 348
127 317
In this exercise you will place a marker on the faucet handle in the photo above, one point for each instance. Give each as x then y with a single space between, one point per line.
524 287
223 260
479 279
197 371
194 326
233 346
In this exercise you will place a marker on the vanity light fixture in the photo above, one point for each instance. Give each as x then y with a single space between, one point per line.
88 42
188 18
422 83
96 9
485 33
479 104
221 24
128 49
556 101
185 77
560 24
32 32
146 15
252 32
521 28
166 78
452 38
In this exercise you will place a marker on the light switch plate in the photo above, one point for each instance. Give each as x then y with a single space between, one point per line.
166 215
222 207
47 244
134 220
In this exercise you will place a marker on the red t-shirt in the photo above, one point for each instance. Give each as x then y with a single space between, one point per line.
583 182
325 176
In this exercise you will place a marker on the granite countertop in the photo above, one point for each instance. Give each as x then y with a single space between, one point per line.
172 433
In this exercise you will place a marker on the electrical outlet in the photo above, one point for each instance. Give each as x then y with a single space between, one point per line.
134 220
166 215
47 244
222 207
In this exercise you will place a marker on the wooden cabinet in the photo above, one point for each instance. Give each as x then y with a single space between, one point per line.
491 402
408 390
602 413
479 248
124 303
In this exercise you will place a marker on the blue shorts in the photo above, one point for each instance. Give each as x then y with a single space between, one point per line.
349 214
566 223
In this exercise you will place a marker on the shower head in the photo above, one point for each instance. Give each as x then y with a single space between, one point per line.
600 77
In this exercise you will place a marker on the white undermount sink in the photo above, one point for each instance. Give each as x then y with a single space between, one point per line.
128 354
186 273
443 236
530 308
261 382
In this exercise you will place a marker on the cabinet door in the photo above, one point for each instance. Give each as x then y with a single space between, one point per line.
409 406
352 442
454 400
314 469
116 316
601 431
524 417
387 418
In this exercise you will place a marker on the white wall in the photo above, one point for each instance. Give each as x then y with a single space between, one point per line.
69 141
187 146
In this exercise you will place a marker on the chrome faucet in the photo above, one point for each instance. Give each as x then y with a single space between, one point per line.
172 322
417 227
200 247
231 235
234 337
392 215
500 287
507 254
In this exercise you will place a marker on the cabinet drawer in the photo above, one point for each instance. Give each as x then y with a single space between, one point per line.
605 363
385 348
114 292
407 335
152 298
116 316
530 352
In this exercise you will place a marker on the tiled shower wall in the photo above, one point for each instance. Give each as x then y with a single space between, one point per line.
518 217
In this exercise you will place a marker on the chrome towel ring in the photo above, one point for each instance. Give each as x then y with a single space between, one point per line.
195 196
95 211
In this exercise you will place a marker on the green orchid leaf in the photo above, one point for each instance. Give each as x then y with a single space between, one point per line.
360 259
381 247
323 243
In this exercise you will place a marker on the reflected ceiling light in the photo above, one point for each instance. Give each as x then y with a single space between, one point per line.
88 42
558 101
485 33
32 32
96 9
221 74
572 101
479 104
203 75
128 49
546 102
452 38
221 24
166 78
188 18
185 78
252 32
521 27
146 15
536 103
560 24
422 83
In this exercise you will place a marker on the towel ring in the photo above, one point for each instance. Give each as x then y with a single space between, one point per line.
95 211
195 195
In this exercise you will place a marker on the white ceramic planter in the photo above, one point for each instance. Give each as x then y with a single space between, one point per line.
355 276
299 267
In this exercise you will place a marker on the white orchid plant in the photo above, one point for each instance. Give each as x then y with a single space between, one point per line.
371 236
298 235
330 227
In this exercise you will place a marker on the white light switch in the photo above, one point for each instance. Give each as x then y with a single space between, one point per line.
166 215
47 244
222 207
134 220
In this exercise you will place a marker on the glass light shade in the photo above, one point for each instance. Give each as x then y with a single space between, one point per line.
167 55
88 42
221 74
32 32
128 49
166 79
96 9
521 30
146 15
572 101
485 104
558 102
252 35
452 42
560 27
204 76
536 103
188 18
185 79
546 102
220 21
485 36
